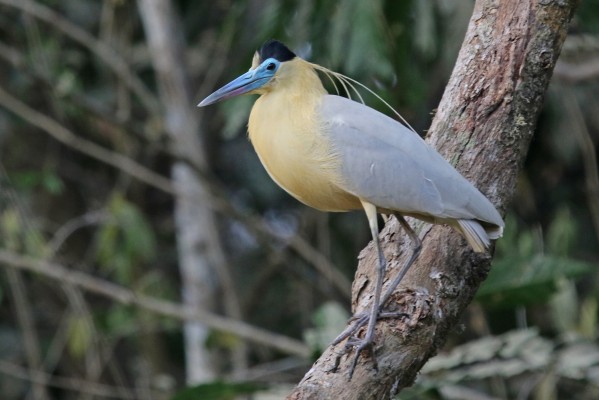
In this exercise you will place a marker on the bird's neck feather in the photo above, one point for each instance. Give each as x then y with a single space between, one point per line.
291 101
286 130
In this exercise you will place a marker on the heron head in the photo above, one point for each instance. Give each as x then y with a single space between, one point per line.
266 64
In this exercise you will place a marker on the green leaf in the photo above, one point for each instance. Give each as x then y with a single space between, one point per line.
329 319
125 239
522 274
222 340
588 318
362 50
46 179
562 233
514 282
219 390
52 183
10 229
79 336
120 320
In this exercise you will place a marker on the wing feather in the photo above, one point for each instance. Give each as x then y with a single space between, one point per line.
390 166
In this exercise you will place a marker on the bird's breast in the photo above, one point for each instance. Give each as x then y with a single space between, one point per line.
293 147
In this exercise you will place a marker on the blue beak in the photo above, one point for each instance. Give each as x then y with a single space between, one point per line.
247 82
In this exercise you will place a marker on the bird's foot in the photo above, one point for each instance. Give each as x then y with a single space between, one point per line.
358 344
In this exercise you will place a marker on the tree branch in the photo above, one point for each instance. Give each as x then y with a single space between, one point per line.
216 200
158 306
70 139
76 385
484 125
30 338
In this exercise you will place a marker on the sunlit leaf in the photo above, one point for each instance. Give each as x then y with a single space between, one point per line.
223 340
588 318
79 336
10 229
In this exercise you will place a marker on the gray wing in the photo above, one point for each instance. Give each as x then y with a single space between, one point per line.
390 166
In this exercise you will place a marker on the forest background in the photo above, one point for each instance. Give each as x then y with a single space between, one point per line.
129 219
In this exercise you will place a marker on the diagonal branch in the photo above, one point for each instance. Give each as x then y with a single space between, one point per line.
38 377
217 199
158 306
67 137
484 124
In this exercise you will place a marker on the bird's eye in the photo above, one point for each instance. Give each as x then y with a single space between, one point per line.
271 67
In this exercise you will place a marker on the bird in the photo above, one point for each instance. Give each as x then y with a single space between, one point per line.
336 154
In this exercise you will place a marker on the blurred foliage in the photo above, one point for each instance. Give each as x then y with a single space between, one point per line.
218 391
525 272
328 320
100 221
80 336
124 240
510 357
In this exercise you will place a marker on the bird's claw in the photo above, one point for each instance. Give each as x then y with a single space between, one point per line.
358 322
361 345
358 344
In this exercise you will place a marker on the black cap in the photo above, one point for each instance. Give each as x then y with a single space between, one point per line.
275 49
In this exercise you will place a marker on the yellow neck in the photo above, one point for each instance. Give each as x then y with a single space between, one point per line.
295 91
289 137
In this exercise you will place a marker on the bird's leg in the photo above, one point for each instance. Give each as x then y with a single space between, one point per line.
416 247
367 341
378 304
360 320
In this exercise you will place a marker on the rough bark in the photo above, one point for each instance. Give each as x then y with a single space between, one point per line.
201 259
483 125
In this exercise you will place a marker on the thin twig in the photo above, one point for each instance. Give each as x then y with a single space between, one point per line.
102 50
96 111
129 166
62 134
159 306
30 339
322 264
76 385
93 364
138 171
217 201
72 225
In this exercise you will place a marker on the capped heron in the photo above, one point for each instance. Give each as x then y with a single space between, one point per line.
335 154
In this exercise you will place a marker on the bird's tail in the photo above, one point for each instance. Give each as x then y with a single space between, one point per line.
479 236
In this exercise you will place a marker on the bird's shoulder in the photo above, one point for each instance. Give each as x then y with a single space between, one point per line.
350 124
340 112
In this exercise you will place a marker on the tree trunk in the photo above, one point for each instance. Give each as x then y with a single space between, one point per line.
201 260
483 125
